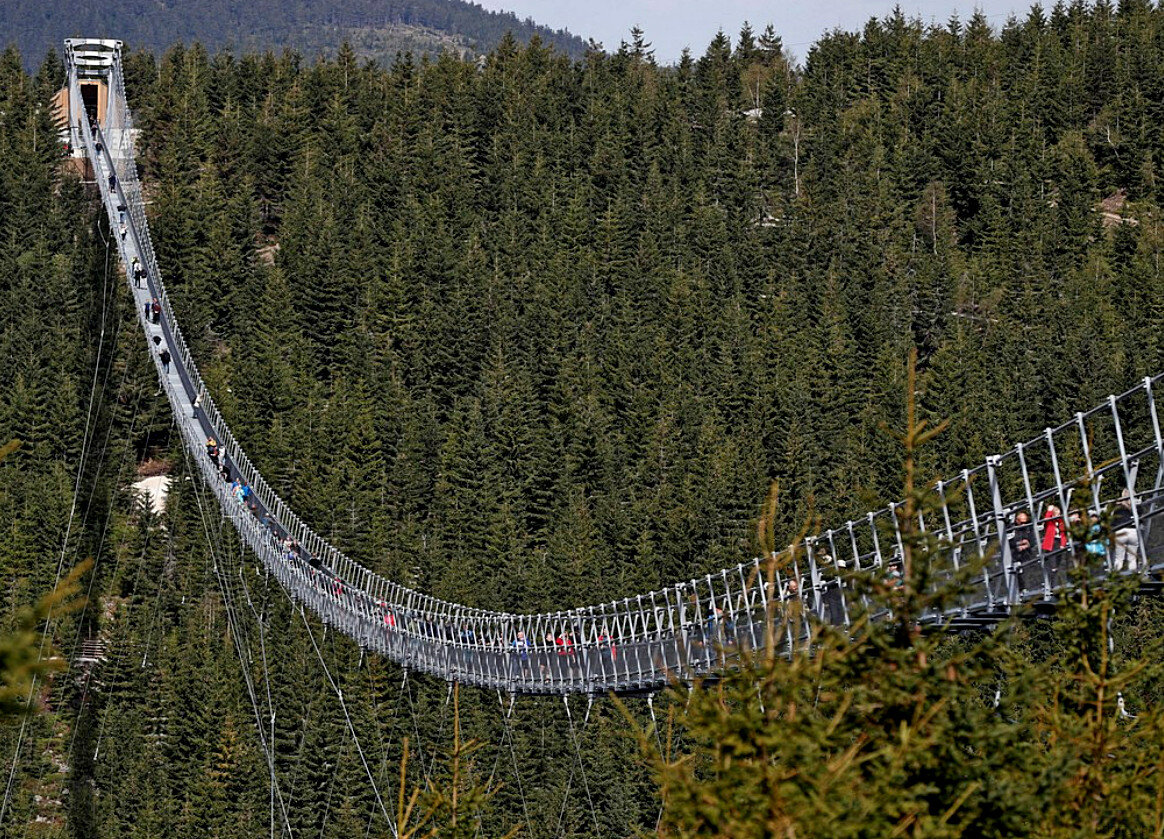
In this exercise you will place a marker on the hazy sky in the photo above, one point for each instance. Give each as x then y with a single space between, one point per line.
671 25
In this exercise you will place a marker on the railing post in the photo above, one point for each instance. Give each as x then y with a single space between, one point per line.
878 558
803 609
857 560
1129 484
1012 593
897 529
978 538
842 583
814 577
1060 488
1031 512
1091 478
744 607
1151 394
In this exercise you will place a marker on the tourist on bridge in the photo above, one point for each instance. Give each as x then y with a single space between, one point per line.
1096 545
1126 553
1054 530
567 658
521 647
156 311
164 355
831 570
715 620
123 230
135 271
609 652
212 450
1022 546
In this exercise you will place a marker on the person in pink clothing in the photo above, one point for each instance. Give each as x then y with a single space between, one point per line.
1054 529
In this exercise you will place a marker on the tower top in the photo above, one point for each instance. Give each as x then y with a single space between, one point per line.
92 56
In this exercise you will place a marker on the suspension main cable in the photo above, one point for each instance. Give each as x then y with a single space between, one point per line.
493 772
268 746
97 557
440 730
351 728
659 743
415 728
505 714
215 549
266 673
85 439
233 619
383 744
136 582
581 767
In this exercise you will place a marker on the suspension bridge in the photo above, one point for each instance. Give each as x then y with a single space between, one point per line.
1109 456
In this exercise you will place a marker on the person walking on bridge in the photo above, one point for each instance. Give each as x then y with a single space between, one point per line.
1022 547
521 664
164 355
156 311
1124 536
1054 530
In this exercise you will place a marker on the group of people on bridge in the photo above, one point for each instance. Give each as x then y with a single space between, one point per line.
1049 540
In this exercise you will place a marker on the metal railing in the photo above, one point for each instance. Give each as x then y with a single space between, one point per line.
694 627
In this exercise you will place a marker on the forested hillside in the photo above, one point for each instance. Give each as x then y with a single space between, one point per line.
528 335
378 29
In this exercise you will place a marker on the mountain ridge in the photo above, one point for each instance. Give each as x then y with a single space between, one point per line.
377 29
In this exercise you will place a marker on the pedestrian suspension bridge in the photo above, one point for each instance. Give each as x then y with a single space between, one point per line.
1110 455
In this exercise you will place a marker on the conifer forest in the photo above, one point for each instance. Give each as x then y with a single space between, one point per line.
536 332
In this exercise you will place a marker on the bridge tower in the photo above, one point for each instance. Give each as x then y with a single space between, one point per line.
93 59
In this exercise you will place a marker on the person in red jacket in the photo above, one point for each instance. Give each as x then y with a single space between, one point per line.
1054 529
567 660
